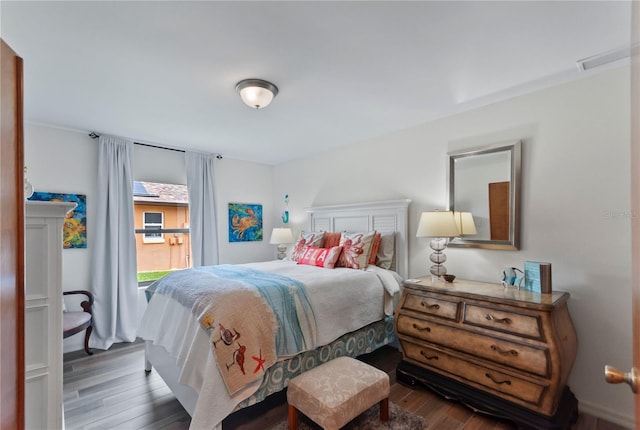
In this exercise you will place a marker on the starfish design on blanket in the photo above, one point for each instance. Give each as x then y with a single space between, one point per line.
238 358
227 336
260 361
206 321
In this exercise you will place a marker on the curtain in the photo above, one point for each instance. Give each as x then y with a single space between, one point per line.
113 265
202 208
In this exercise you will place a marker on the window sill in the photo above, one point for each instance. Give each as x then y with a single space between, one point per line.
153 241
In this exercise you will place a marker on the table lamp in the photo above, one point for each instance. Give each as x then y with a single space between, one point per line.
281 237
441 226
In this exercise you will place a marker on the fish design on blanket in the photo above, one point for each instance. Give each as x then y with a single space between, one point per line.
270 313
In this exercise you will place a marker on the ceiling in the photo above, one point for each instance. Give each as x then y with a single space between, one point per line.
165 72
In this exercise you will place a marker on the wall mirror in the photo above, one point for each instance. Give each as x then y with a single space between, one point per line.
486 182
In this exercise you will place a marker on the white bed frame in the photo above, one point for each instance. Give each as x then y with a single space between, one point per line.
383 216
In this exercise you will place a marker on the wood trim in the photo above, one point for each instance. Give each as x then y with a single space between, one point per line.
12 370
635 193
20 270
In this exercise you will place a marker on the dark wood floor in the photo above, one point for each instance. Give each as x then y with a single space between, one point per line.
111 390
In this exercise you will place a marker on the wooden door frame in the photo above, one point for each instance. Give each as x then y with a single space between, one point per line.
635 191
12 367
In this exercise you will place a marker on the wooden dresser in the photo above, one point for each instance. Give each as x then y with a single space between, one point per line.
502 351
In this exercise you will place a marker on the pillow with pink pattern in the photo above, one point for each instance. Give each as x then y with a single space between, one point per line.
306 239
321 257
356 248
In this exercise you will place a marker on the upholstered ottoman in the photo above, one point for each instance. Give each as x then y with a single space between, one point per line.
336 392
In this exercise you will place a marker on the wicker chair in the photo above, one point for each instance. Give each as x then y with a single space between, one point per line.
76 321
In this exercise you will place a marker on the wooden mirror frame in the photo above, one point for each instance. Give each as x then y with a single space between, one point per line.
514 149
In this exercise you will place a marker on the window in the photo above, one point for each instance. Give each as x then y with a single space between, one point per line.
153 221
161 213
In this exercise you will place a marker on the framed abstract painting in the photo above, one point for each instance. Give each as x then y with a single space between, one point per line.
74 233
245 222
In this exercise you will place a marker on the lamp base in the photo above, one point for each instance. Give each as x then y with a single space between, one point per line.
282 251
438 270
438 257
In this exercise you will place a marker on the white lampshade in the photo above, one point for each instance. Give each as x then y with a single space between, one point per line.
281 236
464 221
256 93
437 224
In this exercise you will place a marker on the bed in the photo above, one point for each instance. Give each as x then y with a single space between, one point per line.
348 312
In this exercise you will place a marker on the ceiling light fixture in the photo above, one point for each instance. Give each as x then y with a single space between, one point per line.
256 93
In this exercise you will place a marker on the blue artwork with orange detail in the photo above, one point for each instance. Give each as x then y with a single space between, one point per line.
74 232
245 222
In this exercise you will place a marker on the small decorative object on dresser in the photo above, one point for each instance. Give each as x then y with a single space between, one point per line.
449 278
512 277
504 352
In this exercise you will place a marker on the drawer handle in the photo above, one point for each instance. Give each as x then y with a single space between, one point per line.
428 306
417 327
511 352
498 320
506 381
428 357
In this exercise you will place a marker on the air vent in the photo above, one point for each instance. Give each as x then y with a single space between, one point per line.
605 58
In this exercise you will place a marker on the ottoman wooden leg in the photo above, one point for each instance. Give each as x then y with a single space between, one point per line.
384 410
293 418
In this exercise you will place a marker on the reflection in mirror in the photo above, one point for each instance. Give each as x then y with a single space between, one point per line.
485 181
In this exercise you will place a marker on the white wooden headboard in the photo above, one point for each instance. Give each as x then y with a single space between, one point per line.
383 216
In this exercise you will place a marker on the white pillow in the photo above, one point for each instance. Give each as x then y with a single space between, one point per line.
386 251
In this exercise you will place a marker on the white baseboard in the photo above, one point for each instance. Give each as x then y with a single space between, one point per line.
624 420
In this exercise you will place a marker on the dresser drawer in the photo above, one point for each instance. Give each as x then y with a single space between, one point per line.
433 306
503 385
499 320
520 357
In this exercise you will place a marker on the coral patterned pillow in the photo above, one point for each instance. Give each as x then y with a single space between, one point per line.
306 239
355 249
321 257
331 239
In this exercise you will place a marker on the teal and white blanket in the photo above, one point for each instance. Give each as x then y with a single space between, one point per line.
252 317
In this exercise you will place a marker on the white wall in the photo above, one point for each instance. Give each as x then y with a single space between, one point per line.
65 161
575 208
243 182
